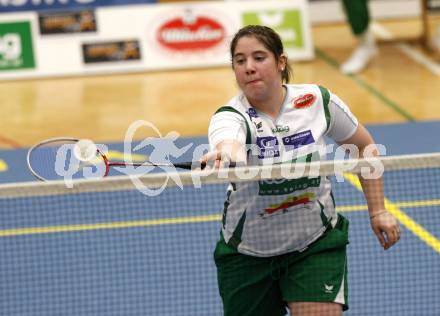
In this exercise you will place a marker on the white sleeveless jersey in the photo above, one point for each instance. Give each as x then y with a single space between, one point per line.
266 218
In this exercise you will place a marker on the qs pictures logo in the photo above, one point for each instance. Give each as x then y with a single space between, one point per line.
16 50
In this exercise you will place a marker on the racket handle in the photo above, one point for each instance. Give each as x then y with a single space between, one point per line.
189 165
201 165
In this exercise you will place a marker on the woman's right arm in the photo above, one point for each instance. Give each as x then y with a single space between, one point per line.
227 139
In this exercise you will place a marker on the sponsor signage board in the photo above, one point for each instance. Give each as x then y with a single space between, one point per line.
67 22
45 5
116 51
154 37
16 49
190 35
287 23
290 21
433 5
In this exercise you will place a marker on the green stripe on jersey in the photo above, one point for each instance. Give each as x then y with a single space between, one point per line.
231 109
235 239
326 100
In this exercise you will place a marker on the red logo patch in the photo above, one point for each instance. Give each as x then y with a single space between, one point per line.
304 101
198 34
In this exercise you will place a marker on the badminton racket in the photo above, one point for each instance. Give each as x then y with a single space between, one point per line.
65 157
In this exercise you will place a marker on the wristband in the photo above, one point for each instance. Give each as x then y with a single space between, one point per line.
378 213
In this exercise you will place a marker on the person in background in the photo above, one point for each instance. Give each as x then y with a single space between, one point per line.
358 16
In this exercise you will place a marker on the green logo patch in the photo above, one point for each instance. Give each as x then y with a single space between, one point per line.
16 50
287 23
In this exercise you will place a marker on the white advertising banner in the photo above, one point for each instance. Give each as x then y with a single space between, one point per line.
142 37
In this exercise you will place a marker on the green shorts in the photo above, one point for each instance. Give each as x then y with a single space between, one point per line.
253 286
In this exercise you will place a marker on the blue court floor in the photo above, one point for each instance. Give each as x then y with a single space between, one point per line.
122 253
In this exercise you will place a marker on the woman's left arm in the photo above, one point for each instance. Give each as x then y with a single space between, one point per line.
384 225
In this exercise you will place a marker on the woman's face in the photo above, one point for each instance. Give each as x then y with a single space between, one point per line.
257 72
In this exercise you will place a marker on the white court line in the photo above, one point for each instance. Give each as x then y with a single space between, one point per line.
418 57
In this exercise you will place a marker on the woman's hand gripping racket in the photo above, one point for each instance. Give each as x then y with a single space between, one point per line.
67 158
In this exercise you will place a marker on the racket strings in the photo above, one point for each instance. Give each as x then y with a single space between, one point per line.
54 160
43 159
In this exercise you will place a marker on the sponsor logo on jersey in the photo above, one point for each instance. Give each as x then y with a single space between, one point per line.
286 186
297 140
281 129
269 147
191 33
289 203
304 101
259 126
328 288
252 113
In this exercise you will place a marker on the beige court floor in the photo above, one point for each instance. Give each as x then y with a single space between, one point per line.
393 89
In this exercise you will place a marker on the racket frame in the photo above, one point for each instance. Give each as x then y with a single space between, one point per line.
40 144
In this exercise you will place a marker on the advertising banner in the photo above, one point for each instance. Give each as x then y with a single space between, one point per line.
191 35
434 5
67 22
291 23
138 38
111 51
45 5
16 49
